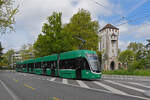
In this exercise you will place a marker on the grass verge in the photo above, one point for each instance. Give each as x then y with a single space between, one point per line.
128 72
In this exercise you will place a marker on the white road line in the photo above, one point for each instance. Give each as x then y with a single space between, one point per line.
129 87
65 81
9 91
52 79
110 88
139 84
82 84
48 79
43 79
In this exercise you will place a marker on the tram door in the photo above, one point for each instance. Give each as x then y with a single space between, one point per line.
53 68
78 73
44 66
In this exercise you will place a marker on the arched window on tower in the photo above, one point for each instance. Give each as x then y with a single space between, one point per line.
113 37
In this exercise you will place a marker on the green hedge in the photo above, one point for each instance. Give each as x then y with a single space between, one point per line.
128 72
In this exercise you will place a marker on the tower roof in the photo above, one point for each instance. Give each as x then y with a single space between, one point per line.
109 26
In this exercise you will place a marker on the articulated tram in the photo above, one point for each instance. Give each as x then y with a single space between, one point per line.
79 64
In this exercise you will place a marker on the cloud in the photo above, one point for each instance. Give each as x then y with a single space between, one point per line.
137 31
123 44
143 31
32 14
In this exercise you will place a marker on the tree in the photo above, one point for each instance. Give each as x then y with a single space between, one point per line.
27 52
7 15
139 50
82 26
142 55
135 46
126 57
8 56
50 41
56 38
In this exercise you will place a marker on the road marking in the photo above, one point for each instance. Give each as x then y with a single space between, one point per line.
55 98
129 87
52 79
48 79
29 86
110 88
139 84
43 79
15 80
65 81
82 84
101 90
9 91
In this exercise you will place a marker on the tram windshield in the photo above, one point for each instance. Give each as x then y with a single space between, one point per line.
93 62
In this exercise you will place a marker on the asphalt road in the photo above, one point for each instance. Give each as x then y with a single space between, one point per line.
23 86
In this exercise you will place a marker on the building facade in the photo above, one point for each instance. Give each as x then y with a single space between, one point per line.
109 47
17 56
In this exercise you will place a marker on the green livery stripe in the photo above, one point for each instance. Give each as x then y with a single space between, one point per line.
67 73
87 74
38 71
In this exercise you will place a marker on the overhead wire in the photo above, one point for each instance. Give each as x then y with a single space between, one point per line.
133 20
98 3
127 18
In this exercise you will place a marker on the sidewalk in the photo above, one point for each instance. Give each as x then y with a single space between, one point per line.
129 77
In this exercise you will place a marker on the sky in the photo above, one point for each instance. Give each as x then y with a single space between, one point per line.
132 17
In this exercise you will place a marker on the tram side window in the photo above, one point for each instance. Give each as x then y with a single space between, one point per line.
44 64
82 62
72 63
38 65
61 64
67 64
17 66
21 66
85 64
31 65
53 64
24 66
48 65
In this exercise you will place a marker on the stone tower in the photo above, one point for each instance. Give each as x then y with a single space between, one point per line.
109 47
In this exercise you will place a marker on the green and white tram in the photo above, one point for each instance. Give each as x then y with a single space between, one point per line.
79 64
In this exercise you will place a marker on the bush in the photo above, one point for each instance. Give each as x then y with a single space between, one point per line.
136 65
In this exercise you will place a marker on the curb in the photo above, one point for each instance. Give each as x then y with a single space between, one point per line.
143 78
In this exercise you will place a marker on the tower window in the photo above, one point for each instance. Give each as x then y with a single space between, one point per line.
112 50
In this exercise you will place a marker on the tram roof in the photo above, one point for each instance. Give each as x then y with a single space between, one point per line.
75 54
50 57
63 56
